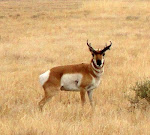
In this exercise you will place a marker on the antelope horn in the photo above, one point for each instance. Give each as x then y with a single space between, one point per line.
106 48
90 47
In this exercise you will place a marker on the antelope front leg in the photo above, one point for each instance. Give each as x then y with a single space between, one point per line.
82 94
90 97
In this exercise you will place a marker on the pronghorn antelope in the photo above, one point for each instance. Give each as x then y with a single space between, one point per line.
81 77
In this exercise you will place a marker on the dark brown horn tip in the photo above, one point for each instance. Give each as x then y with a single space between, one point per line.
110 43
89 44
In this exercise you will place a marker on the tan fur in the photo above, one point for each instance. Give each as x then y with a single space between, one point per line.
57 72
52 86
99 57
90 79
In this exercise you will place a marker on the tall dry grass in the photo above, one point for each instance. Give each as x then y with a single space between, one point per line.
38 35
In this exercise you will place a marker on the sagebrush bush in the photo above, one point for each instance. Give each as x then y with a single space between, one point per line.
142 90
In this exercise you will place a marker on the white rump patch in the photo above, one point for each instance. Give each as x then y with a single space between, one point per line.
71 81
44 77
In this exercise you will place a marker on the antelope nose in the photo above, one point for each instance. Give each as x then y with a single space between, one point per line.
99 62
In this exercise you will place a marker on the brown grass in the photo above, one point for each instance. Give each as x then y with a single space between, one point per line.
38 35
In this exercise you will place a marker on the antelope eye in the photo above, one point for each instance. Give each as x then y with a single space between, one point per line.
103 54
93 54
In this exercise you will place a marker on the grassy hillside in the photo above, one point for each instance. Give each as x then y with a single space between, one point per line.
40 34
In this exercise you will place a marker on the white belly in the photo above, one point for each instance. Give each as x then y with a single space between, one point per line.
71 81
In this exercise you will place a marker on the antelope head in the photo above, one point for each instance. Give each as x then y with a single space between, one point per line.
98 55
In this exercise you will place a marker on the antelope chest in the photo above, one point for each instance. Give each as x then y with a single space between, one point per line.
71 82
94 83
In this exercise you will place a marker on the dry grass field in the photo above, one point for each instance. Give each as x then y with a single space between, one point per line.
36 35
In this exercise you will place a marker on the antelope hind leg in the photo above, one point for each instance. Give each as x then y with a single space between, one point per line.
49 93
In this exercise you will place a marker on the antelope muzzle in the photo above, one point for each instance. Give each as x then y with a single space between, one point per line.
99 62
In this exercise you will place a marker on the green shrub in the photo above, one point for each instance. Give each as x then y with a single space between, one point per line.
142 90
